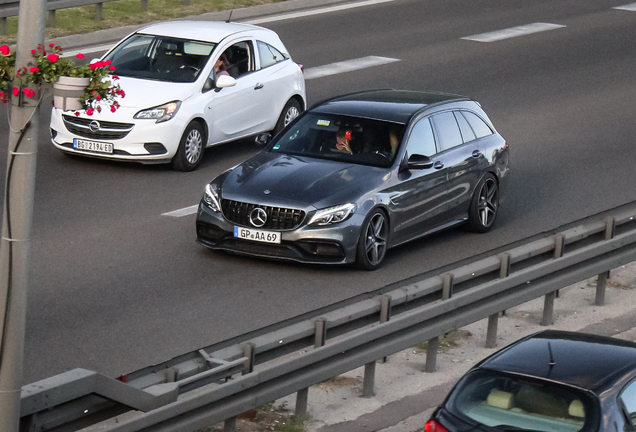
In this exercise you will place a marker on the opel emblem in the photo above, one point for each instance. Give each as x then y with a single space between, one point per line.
94 126
258 217
266 191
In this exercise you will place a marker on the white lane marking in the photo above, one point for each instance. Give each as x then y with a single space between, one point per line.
87 50
627 7
182 212
346 66
314 12
513 32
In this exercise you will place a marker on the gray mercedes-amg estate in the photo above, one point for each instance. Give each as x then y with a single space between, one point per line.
358 174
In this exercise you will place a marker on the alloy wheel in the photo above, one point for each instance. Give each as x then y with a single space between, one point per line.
376 234
290 115
193 146
488 202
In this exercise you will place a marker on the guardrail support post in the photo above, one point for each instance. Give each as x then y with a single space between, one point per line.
248 351
491 334
610 229
548 309
3 25
447 289
385 313
303 394
369 380
144 6
229 425
431 354
99 11
504 270
559 249
50 19
186 2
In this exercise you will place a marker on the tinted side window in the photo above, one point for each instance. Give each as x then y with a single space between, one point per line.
268 54
467 132
447 130
628 397
240 58
479 126
421 140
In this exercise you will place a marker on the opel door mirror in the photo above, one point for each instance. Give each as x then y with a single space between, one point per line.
224 81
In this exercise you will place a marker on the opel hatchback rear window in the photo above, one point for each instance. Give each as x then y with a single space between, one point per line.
498 400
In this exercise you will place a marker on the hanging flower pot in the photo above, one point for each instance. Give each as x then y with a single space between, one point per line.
67 92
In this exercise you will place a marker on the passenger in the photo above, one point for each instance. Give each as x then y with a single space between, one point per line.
221 66
343 140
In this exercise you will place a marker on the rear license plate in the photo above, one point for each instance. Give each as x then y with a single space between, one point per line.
98 147
257 235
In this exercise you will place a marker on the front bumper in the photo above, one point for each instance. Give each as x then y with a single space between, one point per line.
147 142
336 244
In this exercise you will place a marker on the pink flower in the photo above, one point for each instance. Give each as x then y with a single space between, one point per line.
34 69
51 45
98 98
90 111
108 62
29 93
112 68
52 57
76 114
5 50
32 51
115 77
92 66
113 108
16 91
80 56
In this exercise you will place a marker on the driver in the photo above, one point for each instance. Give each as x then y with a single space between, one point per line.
343 140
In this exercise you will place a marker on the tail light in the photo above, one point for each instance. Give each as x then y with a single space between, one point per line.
433 426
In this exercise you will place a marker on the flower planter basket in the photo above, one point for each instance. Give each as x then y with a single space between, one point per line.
67 91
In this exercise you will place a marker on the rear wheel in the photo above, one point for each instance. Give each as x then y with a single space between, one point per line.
374 239
290 112
191 148
484 205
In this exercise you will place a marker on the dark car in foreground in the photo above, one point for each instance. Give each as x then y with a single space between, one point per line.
358 174
553 381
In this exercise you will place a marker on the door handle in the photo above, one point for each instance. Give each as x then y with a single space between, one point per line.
258 86
476 153
438 165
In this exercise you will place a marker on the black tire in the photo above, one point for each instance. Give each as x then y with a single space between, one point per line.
484 206
190 151
290 112
373 242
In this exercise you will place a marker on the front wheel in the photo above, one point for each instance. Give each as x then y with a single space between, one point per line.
290 112
374 239
191 146
484 205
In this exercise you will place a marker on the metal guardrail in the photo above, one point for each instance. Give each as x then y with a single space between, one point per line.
10 8
202 388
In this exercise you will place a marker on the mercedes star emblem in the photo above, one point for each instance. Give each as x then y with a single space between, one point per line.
94 126
266 191
258 217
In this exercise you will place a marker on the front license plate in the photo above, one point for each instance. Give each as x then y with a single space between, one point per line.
98 147
257 235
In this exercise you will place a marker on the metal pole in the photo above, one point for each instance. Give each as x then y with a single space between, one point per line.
491 334
17 220
431 354
610 229
369 380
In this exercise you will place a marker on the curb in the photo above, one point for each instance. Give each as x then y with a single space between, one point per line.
113 35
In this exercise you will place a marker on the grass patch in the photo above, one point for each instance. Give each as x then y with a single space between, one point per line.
126 12
293 424
447 341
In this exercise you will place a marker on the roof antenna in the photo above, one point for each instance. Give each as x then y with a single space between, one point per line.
231 10
552 362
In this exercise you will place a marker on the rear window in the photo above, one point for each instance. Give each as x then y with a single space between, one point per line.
496 400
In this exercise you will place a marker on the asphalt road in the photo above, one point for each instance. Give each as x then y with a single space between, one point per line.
117 287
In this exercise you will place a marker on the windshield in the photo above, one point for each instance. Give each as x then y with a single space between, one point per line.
347 139
511 402
160 58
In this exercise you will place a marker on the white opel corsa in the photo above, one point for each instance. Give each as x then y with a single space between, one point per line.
176 105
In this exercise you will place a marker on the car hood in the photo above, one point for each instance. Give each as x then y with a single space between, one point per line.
144 93
295 181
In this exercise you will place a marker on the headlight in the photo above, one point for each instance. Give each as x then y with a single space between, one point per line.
333 215
161 113
211 197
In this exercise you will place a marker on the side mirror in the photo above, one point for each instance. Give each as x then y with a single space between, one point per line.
225 81
417 161
262 139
